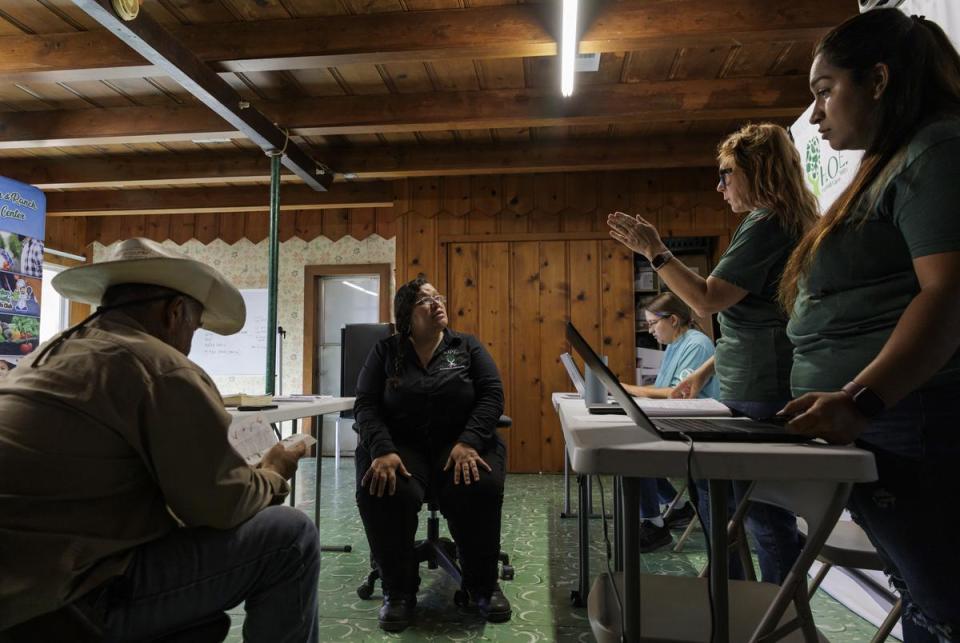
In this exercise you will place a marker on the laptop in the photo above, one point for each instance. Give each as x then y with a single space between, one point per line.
572 371
696 429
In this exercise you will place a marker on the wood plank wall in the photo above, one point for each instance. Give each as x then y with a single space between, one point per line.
519 254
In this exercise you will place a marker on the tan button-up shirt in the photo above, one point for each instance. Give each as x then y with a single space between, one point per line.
96 443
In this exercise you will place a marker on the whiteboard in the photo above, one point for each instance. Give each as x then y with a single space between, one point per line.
243 353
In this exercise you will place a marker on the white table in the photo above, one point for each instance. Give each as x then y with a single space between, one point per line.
293 411
613 445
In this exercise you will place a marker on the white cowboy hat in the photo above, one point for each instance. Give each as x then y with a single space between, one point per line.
142 261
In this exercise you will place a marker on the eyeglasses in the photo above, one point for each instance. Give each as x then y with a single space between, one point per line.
651 324
724 173
440 300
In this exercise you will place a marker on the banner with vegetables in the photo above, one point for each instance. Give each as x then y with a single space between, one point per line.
22 217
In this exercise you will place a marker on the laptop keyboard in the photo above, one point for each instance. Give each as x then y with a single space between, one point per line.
704 426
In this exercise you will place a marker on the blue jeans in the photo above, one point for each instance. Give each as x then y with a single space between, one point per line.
271 563
653 493
773 529
905 512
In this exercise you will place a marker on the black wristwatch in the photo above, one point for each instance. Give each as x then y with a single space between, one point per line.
660 260
867 402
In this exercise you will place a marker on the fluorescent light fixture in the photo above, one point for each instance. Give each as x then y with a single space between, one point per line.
356 287
568 46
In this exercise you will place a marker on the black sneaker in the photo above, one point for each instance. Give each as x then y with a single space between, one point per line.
493 606
396 612
653 537
680 518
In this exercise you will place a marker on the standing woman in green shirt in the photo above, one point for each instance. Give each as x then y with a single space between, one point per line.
874 291
761 176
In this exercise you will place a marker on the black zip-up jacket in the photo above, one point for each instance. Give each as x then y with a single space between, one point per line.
457 398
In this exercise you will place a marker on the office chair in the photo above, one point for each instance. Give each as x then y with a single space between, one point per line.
441 552
848 546
69 623
356 342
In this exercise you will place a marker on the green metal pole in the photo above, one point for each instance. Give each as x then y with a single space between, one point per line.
272 273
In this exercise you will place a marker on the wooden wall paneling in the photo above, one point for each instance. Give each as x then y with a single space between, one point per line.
424 196
481 224
386 223
207 227
110 230
231 228
335 224
676 213
646 196
493 286
447 224
526 389
363 223
286 225
462 287
486 192
548 200
710 211
420 240
517 203
131 226
585 297
454 196
554 304
308 224
256 226
618 326
68 234
157 227
580 198
613 194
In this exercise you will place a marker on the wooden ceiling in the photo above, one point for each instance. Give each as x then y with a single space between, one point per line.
383 89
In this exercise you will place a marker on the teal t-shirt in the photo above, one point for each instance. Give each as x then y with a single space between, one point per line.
682 358
862 276
753 354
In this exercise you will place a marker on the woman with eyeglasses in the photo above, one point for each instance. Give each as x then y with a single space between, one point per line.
874 291
761 177
427 407
671 323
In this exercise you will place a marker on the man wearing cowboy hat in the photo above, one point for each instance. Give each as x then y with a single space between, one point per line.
119 493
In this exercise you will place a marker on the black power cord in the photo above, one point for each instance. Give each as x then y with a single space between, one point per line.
695 499
609 551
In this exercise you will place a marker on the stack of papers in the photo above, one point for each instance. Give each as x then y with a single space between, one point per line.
700 407
300 398
254 437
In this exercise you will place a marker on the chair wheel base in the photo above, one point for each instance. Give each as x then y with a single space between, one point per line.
461 598
576 600
365 591
506 573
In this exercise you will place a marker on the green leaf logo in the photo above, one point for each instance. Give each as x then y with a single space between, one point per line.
812 166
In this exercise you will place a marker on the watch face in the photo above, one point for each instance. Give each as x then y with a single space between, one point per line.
868 402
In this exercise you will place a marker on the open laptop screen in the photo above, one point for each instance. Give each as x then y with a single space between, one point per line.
573 372
609 380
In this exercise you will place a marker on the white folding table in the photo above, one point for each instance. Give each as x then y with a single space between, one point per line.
613 445
292 412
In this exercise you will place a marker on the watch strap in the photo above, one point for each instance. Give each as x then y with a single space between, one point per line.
866 399
661 259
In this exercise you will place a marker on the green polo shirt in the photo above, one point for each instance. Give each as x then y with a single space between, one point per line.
862 277
754 355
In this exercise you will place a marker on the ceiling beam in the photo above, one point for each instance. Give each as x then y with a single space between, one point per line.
217 200
151 40
724 99
488 32
369 162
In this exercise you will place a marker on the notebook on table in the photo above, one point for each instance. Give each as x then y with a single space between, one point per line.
695 429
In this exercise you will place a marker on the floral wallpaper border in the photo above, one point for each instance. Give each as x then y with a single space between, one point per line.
245 264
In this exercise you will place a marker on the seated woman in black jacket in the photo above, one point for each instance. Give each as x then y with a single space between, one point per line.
428 401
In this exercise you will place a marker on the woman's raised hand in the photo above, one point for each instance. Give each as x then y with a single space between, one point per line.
382 474
635 233
688 389
464 460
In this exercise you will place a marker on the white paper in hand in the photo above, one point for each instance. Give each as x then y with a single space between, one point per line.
254 436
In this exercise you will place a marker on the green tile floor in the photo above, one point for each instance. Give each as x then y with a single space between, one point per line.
543 550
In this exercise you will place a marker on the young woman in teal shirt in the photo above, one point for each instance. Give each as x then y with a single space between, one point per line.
671 322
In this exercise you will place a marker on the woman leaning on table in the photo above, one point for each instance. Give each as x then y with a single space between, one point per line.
760 175
874 291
